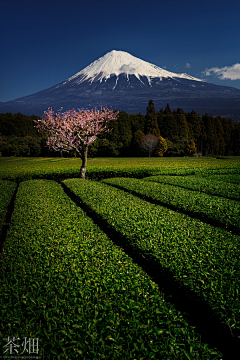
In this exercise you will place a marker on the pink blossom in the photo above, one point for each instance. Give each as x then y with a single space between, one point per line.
74 129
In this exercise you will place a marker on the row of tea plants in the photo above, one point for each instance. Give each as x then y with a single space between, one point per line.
80 275
200 256
219 187
62 280
216 210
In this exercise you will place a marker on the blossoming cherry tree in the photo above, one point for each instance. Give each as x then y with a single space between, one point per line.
75 129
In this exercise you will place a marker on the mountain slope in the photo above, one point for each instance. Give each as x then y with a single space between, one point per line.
121 80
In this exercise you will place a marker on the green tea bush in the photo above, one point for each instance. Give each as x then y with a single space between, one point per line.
205 185
202 257
221 211
227 178
62 280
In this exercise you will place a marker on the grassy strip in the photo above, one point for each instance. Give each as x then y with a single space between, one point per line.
219 211
63 281
203 258
6 191
99 168
212 187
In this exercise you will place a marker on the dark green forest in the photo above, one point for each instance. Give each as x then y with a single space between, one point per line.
186 134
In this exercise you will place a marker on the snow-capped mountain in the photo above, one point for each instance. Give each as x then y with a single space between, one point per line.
126 82
116 63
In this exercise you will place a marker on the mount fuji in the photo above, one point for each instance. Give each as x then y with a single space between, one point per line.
127 83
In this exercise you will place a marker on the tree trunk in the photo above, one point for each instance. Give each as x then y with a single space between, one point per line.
84 162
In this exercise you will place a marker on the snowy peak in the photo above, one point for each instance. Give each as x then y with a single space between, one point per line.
120 62
126 83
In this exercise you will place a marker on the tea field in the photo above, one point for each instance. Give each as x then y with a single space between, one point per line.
139 261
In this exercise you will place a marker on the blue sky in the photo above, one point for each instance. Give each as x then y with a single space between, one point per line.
45 42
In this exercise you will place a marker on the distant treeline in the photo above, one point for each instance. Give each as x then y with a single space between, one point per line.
209 135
